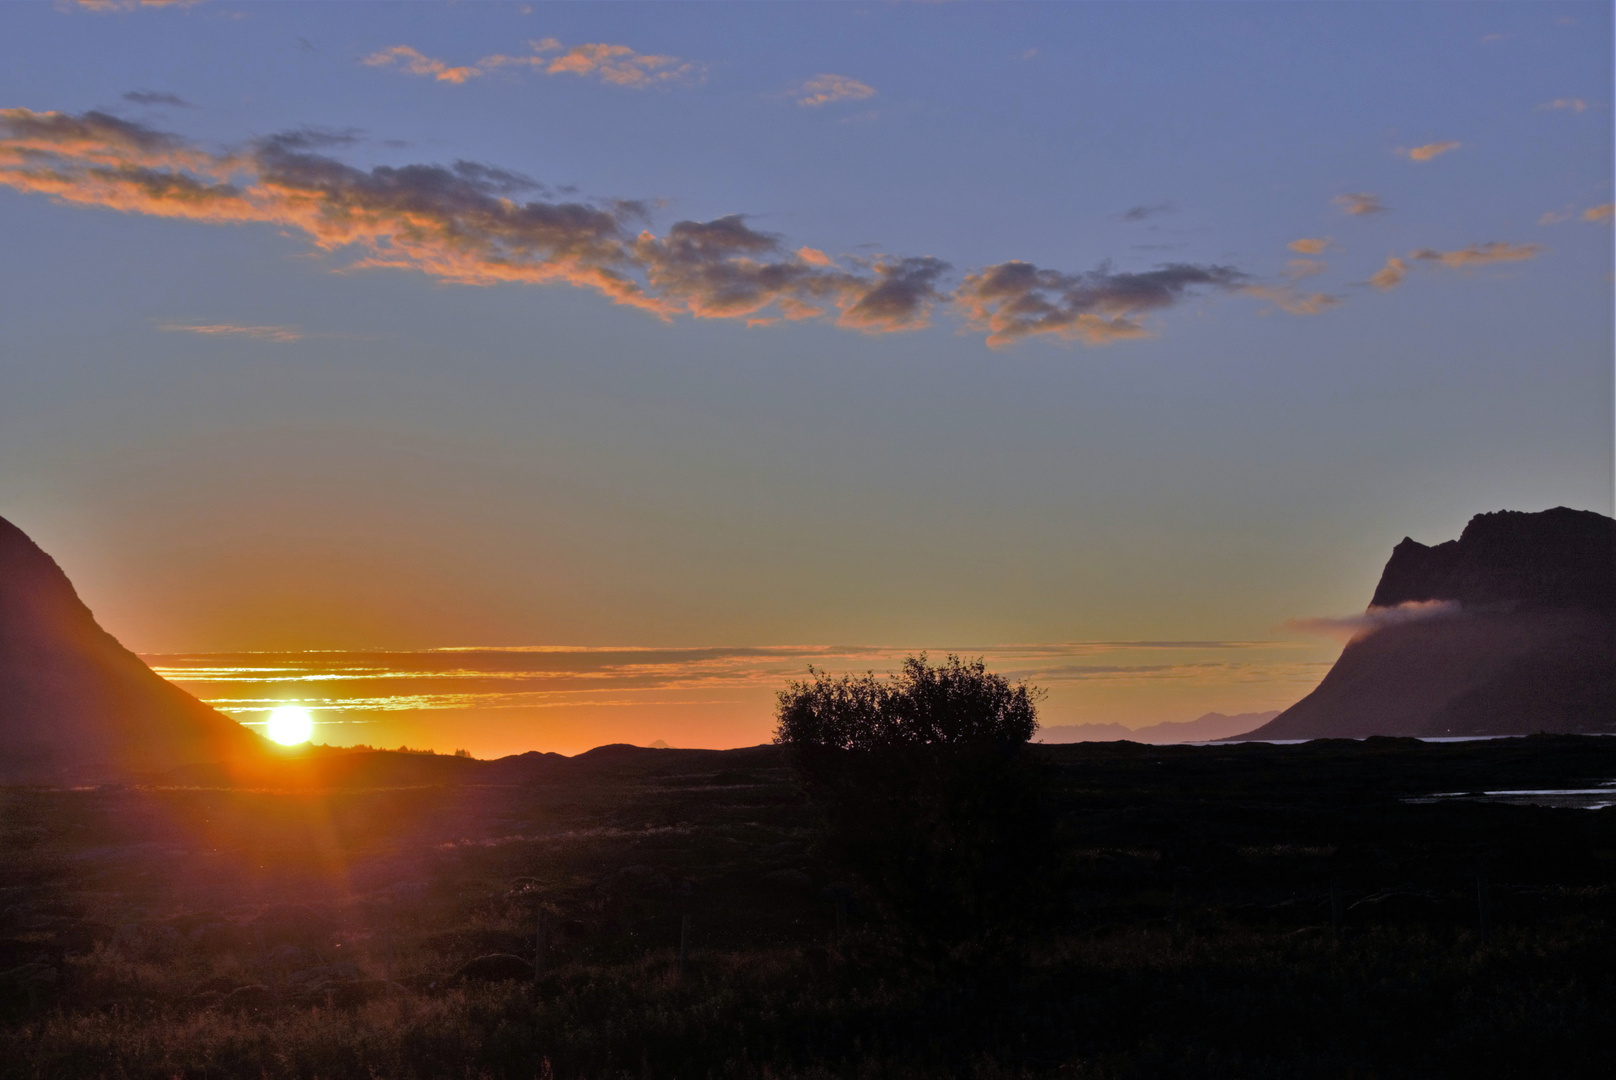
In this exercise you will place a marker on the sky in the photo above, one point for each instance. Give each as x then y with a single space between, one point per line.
535 376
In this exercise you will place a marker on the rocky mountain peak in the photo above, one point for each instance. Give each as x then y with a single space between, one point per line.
1510 560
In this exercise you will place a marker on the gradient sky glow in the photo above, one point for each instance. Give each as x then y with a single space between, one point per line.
1000 328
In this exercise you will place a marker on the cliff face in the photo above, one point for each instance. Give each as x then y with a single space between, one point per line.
1510 561
75 704
1531 646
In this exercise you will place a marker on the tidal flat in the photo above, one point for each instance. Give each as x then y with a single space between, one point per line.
1242 910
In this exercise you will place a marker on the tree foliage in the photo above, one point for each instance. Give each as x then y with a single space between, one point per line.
926 790
957 703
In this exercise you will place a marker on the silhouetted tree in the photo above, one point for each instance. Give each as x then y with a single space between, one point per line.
927 792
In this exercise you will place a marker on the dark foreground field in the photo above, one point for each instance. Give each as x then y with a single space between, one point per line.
195 931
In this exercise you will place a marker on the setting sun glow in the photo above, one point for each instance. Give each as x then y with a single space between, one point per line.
290 725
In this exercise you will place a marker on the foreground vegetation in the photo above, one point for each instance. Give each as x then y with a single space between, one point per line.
1239 911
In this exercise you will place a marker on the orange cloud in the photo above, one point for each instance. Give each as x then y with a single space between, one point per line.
1293 301
1568 104
1431 150
1297 269
615 64
1479 254
459 224
825 89
1600 215
417 64
1359 204
261 333
1391 275
1310 245
1286 296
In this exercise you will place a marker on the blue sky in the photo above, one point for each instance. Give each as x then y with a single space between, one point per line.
234 438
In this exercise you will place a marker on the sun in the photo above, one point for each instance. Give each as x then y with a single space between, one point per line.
290 725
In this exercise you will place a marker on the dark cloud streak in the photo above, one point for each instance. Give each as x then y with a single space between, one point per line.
154 98
1140 213
1014 300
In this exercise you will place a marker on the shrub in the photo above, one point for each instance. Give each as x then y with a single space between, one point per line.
926 792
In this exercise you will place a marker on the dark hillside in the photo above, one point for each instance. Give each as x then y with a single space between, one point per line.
75 704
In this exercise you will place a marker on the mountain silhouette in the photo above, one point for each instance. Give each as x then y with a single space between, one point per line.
1205 728
1518 637
75 704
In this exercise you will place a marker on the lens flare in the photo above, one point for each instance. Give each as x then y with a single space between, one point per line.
290 725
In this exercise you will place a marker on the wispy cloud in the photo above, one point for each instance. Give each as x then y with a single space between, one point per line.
615 64
133 5
826 89
1389 276
153 98
618 65
1307 245
1359 204
416 63
1479 254
1287 297
1431 150
1015 300
1140 213
560 676
1376 618
1293 301
1599 215
1566 104
260 333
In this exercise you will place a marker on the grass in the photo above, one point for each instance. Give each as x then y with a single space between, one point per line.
1195 938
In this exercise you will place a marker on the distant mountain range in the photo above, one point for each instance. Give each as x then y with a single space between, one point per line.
1202 729
74 704
1507 630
